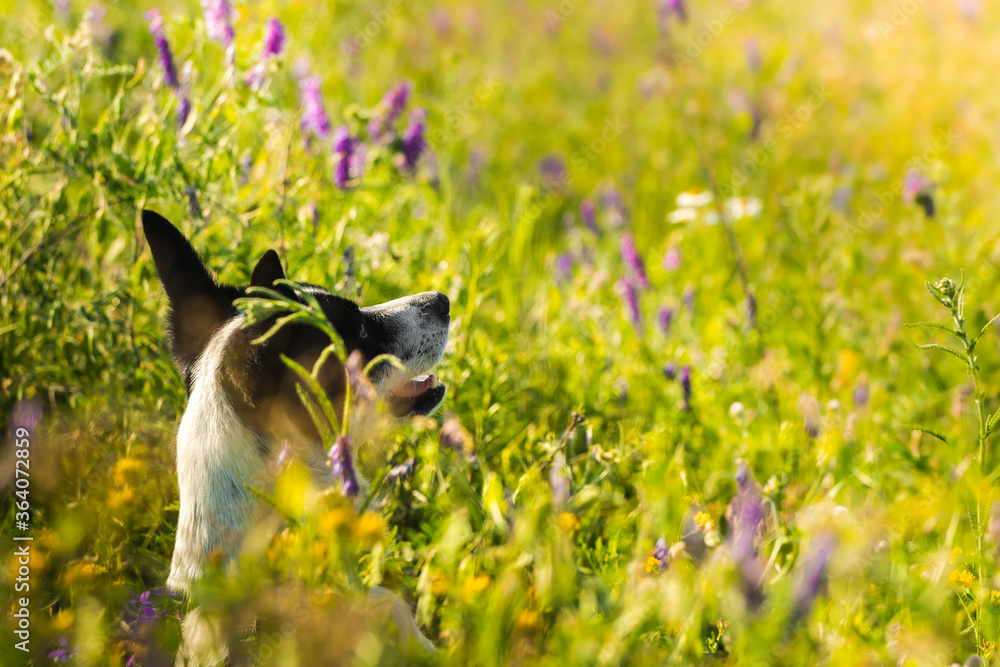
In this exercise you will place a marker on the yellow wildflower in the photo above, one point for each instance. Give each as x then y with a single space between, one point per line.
83 570
704 520
652 564
369 528
472 586
333 520
568 522
123 497
528 620
962 578
439 584
127 471
956 553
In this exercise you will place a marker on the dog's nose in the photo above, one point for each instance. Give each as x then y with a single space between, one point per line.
438 305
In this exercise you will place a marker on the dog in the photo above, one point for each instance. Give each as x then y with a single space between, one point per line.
243 407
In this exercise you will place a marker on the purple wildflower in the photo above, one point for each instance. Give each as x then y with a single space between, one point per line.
630 295
400 472
163 46
752 50
809 407
274 42
587 214
634 261
454 436
746 514
661 552
362 390
392 106
564 267
553 171
343 148
26 414
813 575
395 101
670 370
614 207
677 7
274 38
64 652
860 394
672 258
685 376
245 166
559 481
183 110
141 608
194 207
414 143
219 16
342 462
666 318
920 189
751 310
688 298
314 116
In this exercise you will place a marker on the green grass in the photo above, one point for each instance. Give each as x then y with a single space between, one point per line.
500 569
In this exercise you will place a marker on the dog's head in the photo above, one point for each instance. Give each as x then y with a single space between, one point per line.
205 333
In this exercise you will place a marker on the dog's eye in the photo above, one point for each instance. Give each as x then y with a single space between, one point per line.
363 334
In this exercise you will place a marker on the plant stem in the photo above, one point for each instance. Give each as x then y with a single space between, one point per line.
982 435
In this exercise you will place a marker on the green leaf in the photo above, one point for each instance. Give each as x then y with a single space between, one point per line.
929 431
992 422
319 395
390 358
982 332
938 294
931 325
949 350
269 499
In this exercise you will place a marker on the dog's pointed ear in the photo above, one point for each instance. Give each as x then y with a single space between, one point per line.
198 304
268 270
177 264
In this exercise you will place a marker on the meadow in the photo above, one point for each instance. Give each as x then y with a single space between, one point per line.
689 419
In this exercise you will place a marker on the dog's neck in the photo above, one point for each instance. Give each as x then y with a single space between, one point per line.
219 459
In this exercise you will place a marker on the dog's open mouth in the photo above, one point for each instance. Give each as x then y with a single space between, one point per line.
420 395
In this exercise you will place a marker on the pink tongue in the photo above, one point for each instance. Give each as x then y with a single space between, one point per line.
416 386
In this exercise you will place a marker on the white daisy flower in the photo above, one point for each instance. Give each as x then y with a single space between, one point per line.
694 198
743 207
682 215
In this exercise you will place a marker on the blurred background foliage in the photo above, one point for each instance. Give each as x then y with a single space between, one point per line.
560 135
